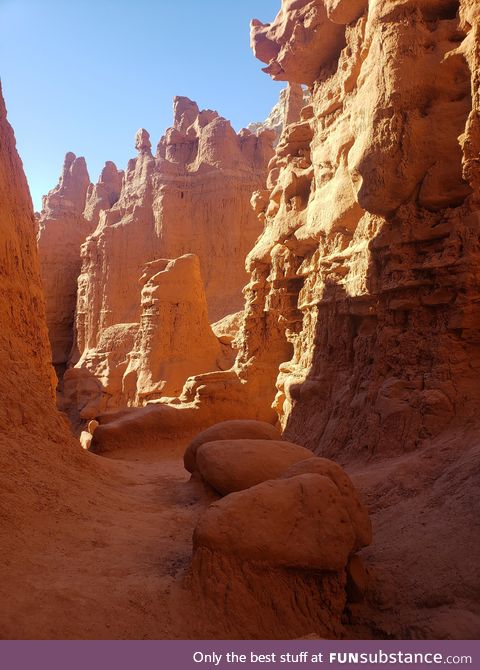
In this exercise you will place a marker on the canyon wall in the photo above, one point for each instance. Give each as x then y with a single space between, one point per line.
192 197
42 468
369 254
287 110
361 325
62 229
368 270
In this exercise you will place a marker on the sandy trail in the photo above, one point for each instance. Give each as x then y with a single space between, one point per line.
111 565
116 573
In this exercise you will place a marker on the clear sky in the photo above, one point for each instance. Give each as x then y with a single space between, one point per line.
84 75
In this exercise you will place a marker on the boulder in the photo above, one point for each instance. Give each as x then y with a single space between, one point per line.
357 511
301 522
235 465
229 430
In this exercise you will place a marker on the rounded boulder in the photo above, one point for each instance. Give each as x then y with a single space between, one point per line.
229 430
354 506
234 465
299 522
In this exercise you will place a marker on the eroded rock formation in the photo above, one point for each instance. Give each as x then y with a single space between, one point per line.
174 340
280 538
62 229
291 101
191 198
364 218
40 461
360 322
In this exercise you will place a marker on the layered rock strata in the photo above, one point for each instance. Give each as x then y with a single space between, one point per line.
368 254
62 229
192 197
360 323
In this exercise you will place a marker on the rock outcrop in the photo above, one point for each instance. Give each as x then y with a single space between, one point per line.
360 322
192 197
62 229
174 340
291 101
303 529
361 258
27 379
40 461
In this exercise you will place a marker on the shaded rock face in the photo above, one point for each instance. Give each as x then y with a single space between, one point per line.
24 349
62 229
367 261
191 198
37 453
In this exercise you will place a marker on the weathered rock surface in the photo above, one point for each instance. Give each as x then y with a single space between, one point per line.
175 339
191 198
235 465
368 265
262 602
296 530
137 363
228 328
360 260
40 469
229 430
360 321
105 193
356 509
62 229
27 380
291 101
300 522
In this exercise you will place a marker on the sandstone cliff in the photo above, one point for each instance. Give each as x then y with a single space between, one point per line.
369 247
39 459
191 198
287 110
368 266
360 323
62 229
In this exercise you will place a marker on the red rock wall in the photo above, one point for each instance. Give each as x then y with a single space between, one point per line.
192 197
366 270
40 468
62 229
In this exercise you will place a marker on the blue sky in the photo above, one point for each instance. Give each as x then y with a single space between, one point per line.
84 75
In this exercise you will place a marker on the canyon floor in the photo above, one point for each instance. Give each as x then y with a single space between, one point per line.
120 572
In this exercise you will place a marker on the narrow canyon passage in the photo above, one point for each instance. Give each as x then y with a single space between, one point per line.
280 320
117 572
119 567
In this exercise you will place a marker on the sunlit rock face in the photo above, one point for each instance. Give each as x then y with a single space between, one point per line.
192 197
366 266
287 110
62 229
